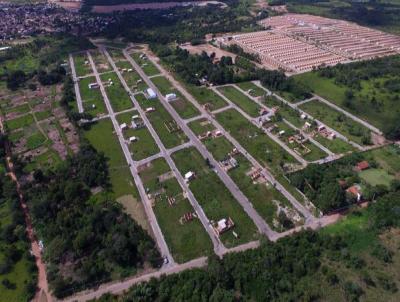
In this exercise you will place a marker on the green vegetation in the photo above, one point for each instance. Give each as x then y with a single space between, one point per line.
376 177
238 98
148 67
182 106
91 97
201 126
206 96
132 78
251 88
82 65
258 144
186 239
145 145
100 61
116 93
20 122
169 132
338 121
18 272
215 199
35 140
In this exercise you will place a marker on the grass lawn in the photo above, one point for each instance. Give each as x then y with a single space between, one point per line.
116 93
42 115
81 68
183 107
215 199
336 145
47 160
116 54
206 96
159 119
336 120
20 109
100 61
376 177
145 146
20 122
201 126
91 97
387 158
186 240
35 140
257 143
361 104
238 98
219 147
251 88
132 78
148 67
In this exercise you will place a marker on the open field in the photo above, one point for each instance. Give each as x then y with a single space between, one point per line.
132 78
182 106
81 68
201 126
20 122
145 145
161 120
100 61
376 177
215 199
336 120
238 98
119 98
186 240
147 66
92 99
251 88
258 144
206 96
373 102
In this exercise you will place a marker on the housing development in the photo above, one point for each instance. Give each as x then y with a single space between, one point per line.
255 160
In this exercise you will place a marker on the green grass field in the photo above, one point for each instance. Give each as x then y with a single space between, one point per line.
376 177
238 98
132 78
257 143
186 240
206 96
336 120
251 88
145 146
201 126
81 68
147 66
20 122
91 97
116 93
100 61
183 107
215 199
35 140
159 119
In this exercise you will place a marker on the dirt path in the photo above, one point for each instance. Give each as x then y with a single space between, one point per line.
42 294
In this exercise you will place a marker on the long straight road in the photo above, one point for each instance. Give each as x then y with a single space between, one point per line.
146 203
266 174
262 226
76 84
219 248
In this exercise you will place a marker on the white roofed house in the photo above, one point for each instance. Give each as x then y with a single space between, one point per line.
123 126
133 139
170 97
151 93
189 176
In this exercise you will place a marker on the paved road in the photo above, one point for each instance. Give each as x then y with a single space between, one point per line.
267 175
348 114
293 106
76 84
146 203
262 226
219 248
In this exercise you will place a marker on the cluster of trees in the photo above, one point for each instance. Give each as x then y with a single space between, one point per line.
14 244
86 240
239 51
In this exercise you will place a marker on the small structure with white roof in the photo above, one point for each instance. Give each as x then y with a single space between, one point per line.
133 139
189 176
151 93
170 97
123 126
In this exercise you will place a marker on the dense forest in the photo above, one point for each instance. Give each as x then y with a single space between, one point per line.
308 266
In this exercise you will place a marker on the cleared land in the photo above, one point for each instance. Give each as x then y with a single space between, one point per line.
206 96
182 106
186 239
215 199
238 98
336 120
92 99
81 68
251 88
119 98
168 130
147 66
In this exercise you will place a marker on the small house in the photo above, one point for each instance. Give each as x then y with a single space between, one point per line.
150 109
170 97
362 165
133 139
189 176
123 126
151 94
93 86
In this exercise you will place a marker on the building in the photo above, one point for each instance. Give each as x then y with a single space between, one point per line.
170 97
361 166
123 126
151 94
223 226
355 191
93 86
189 176
150 109
133 139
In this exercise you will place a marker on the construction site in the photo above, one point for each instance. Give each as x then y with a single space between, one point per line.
299 43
